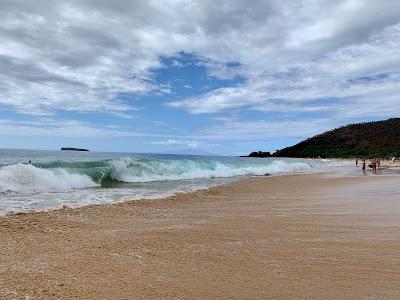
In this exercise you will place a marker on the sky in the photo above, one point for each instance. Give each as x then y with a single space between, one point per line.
206 76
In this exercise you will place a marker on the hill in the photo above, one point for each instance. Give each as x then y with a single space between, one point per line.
381 138
259 154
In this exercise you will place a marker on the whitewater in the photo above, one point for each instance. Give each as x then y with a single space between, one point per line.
58 178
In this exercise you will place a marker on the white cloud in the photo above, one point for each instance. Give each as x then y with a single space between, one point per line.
80 55
46 126
240 130
160 123
60 128
172 142
360 74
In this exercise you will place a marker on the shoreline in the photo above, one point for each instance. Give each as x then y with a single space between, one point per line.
232 180
301 235
30 187
122 201
41 204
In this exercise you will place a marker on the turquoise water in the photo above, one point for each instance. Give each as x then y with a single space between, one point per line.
57 178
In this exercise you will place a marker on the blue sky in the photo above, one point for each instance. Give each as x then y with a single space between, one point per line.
223 77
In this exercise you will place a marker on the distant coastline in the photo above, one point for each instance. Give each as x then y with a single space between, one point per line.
259 154
73 149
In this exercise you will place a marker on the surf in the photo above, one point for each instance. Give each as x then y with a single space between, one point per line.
63 176
23 178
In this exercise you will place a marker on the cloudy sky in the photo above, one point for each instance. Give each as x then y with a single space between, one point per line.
213 76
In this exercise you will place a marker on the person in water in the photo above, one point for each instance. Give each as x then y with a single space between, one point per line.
356 162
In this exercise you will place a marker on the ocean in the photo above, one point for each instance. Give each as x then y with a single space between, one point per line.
68 178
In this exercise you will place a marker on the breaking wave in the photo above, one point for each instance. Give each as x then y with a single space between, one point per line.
64 176
28 178
144 170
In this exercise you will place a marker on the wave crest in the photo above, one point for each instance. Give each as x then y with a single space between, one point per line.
28 178
64 176
146 170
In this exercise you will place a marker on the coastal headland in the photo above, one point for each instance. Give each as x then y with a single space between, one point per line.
297 236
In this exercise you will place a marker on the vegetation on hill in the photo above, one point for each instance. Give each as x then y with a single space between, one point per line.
381 139
259 154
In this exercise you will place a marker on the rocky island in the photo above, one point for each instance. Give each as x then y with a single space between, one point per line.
72 149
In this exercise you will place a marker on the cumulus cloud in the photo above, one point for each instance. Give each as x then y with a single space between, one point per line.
185 143
359 73
234 129
76 56
50 127
294 56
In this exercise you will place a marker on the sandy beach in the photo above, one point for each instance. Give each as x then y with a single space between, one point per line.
320 236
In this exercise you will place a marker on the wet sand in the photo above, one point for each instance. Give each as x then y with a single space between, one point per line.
284 237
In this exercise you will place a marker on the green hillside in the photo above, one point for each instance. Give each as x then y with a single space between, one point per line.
369 139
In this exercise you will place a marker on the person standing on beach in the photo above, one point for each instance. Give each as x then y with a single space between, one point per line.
373 163
356 162
363 165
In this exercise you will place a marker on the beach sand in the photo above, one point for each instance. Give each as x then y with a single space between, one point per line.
320 236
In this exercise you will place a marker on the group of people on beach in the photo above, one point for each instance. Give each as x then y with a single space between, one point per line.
374 165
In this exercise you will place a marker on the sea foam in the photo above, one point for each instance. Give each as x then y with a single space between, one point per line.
28 178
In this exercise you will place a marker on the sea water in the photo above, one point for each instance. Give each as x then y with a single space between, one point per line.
57 178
